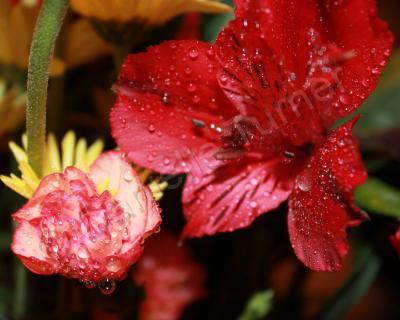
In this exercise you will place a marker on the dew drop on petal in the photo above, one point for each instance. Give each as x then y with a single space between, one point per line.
253 204
82 252
113 264
345 99
304 183
128 176
193 53
191 87
166 161
151 128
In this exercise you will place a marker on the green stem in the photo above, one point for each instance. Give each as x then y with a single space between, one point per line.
47 28
20 294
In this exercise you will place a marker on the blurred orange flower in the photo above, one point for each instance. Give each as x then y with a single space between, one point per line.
17 23
12 108
150 12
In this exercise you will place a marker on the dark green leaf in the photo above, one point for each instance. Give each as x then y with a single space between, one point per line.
379 197
214 23
356 286
381 110
258 306
5 240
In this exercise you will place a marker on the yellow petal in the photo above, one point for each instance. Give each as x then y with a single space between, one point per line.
153 12
17 185
25 141
158 189
52 156
103 185
28 175
80 153
93 152
83 45
68 148
18 152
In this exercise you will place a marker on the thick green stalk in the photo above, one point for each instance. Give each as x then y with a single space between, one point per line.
47 28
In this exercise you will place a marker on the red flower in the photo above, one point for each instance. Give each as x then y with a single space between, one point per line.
72 228
171 279
395 240
250 117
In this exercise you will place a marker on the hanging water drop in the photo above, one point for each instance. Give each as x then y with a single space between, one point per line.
107 286
90 284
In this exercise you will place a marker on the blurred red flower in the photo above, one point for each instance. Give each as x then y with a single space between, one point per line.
171 278
72 227
395 240
250 117
190 28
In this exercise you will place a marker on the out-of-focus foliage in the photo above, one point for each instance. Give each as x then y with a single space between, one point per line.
381 111
379 197
258 306
214 23
363 275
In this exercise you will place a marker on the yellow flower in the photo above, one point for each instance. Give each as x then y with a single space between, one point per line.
17 23
12 108
73 153
150 12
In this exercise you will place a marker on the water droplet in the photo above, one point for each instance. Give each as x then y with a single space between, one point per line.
223 78
90 284
151 128
165 98
196 99
345 98
191 87
193 53
82 252
253 204
128 176
304 183
292 77
366 82
376 70
166 161
188 70
107 286
113 265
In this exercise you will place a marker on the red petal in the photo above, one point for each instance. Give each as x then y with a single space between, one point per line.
230 196
321 206
28 246
286 64
160 93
